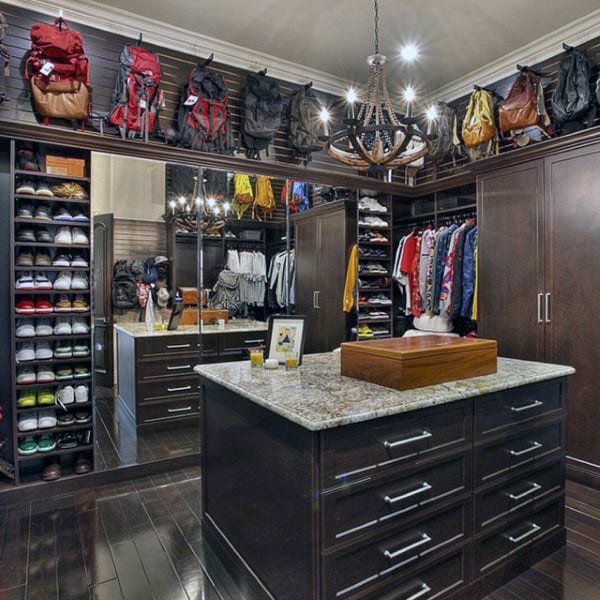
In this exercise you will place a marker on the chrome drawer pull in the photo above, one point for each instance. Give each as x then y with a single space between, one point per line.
185 388
176 410
515 540
531 448
416 438
424 487
519 409
534 488
253 341
176 346
425 589
178 368
425 539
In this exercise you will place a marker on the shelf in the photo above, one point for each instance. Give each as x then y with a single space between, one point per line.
371 243
50 199
56 429
51 315
36 480
74 405
364 211
23 174
374 320
370 274
375 289
51 245
375 227
239 241
54 361
53 269
362 257
53 338
49 292
443 211
38 455
25 220
376 305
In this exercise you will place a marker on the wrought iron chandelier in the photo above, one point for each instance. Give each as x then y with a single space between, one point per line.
377 139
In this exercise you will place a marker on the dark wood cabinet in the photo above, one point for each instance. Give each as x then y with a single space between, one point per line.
538 256
323 238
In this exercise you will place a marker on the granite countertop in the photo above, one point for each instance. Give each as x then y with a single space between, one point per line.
138 330
317 397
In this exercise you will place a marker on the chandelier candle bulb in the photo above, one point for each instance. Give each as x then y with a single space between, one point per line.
324 116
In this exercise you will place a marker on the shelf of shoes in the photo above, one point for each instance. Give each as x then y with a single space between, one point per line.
52 356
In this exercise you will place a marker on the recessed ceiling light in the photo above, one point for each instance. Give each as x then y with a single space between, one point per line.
409 93
409 53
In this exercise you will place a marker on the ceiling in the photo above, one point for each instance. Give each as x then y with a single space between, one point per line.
334 36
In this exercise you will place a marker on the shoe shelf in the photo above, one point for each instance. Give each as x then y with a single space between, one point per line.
374 320
29 468
375 227
371 243
373 274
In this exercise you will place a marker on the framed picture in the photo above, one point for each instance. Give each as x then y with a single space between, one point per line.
175 316
285 335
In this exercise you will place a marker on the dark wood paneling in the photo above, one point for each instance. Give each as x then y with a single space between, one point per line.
138 239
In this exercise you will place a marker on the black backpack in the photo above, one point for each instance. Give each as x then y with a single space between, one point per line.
261 115
572 102
203 118
443 133
124 287
305 126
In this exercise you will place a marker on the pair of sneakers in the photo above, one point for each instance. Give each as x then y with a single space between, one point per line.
31 398
30 188
68 350
29 234
70 394
70 235
41 212
27 258
34 420
64 304
64 214
30 445
26 328
28 375
71 326
27 351
28 281
67 280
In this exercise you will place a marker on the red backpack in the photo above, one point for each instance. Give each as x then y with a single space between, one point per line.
137 97
58 71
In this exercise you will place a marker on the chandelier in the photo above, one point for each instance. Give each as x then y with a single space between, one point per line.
376 139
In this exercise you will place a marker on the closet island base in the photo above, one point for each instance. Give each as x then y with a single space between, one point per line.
321 486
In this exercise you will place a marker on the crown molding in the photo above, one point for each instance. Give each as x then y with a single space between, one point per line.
575 33
122 22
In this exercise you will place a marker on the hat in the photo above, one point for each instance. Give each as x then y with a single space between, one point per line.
158 260
162 297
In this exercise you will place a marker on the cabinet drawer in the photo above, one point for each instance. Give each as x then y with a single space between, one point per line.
499 502
236 343
497 412
172 367
357 510
355 451
519 536
345 573
168 387
167 345
166 409
511 452
209 346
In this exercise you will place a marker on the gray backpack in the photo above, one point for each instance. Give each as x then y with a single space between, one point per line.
443 133
305 126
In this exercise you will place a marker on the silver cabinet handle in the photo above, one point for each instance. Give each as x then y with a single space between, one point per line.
253 341
425 589
519 409
534 488
423 488
539 307
185 388
531 448
317 299
547 307
177 346
534 529
425 539
416 438
176 410
169 368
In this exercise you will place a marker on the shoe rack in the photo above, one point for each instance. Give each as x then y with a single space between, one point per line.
73 440
374 285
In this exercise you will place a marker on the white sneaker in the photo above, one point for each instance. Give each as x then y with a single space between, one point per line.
79 236
25 281
80 326
43 351
25 376
66 395
63 281
80 281
42 282
62 326
47 419
61 260
63 236
45 375
79 260
81 393
28 422
25 352
25 328
43 327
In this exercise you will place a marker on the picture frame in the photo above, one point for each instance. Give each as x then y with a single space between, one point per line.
286 333
175 316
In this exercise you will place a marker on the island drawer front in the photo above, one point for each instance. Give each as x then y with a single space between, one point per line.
166 346
352 452
167 409
359 510
173 367
498 412
520 535
511 452
387 557
234 344
493 505
167 387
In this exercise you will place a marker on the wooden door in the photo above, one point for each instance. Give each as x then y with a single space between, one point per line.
572 217
511 282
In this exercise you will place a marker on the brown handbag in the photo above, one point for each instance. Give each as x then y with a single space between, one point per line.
478 124
61 99
520 109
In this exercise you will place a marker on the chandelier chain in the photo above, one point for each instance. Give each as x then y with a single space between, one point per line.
376 19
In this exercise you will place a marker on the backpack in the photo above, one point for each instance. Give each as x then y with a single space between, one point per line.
136 97
243 197
261 113
58 72
4 52
203 120
305 125
265 198
124 288
443 133
572 103
299 199
479 131
150 273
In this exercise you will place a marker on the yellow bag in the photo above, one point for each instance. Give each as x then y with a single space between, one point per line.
265 198
243 197
478 124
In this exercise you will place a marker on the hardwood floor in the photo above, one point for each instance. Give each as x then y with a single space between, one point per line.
142 539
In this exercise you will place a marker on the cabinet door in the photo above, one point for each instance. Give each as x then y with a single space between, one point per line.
511 259
572 218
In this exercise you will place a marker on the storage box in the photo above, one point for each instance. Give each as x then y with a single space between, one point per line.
60 165
189 295
210 315
413 362
189 316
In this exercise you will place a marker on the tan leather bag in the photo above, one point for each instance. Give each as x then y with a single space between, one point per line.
520 108
60 100
478 124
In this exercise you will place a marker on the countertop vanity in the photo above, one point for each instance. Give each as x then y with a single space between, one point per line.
318 486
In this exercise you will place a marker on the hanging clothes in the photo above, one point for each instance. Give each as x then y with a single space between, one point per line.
251 266
350 284
277 288
243 196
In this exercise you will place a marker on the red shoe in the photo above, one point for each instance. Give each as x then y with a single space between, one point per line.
363 299
43 306
25 306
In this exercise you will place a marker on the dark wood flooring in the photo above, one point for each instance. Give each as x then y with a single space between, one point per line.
118 444
142 539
